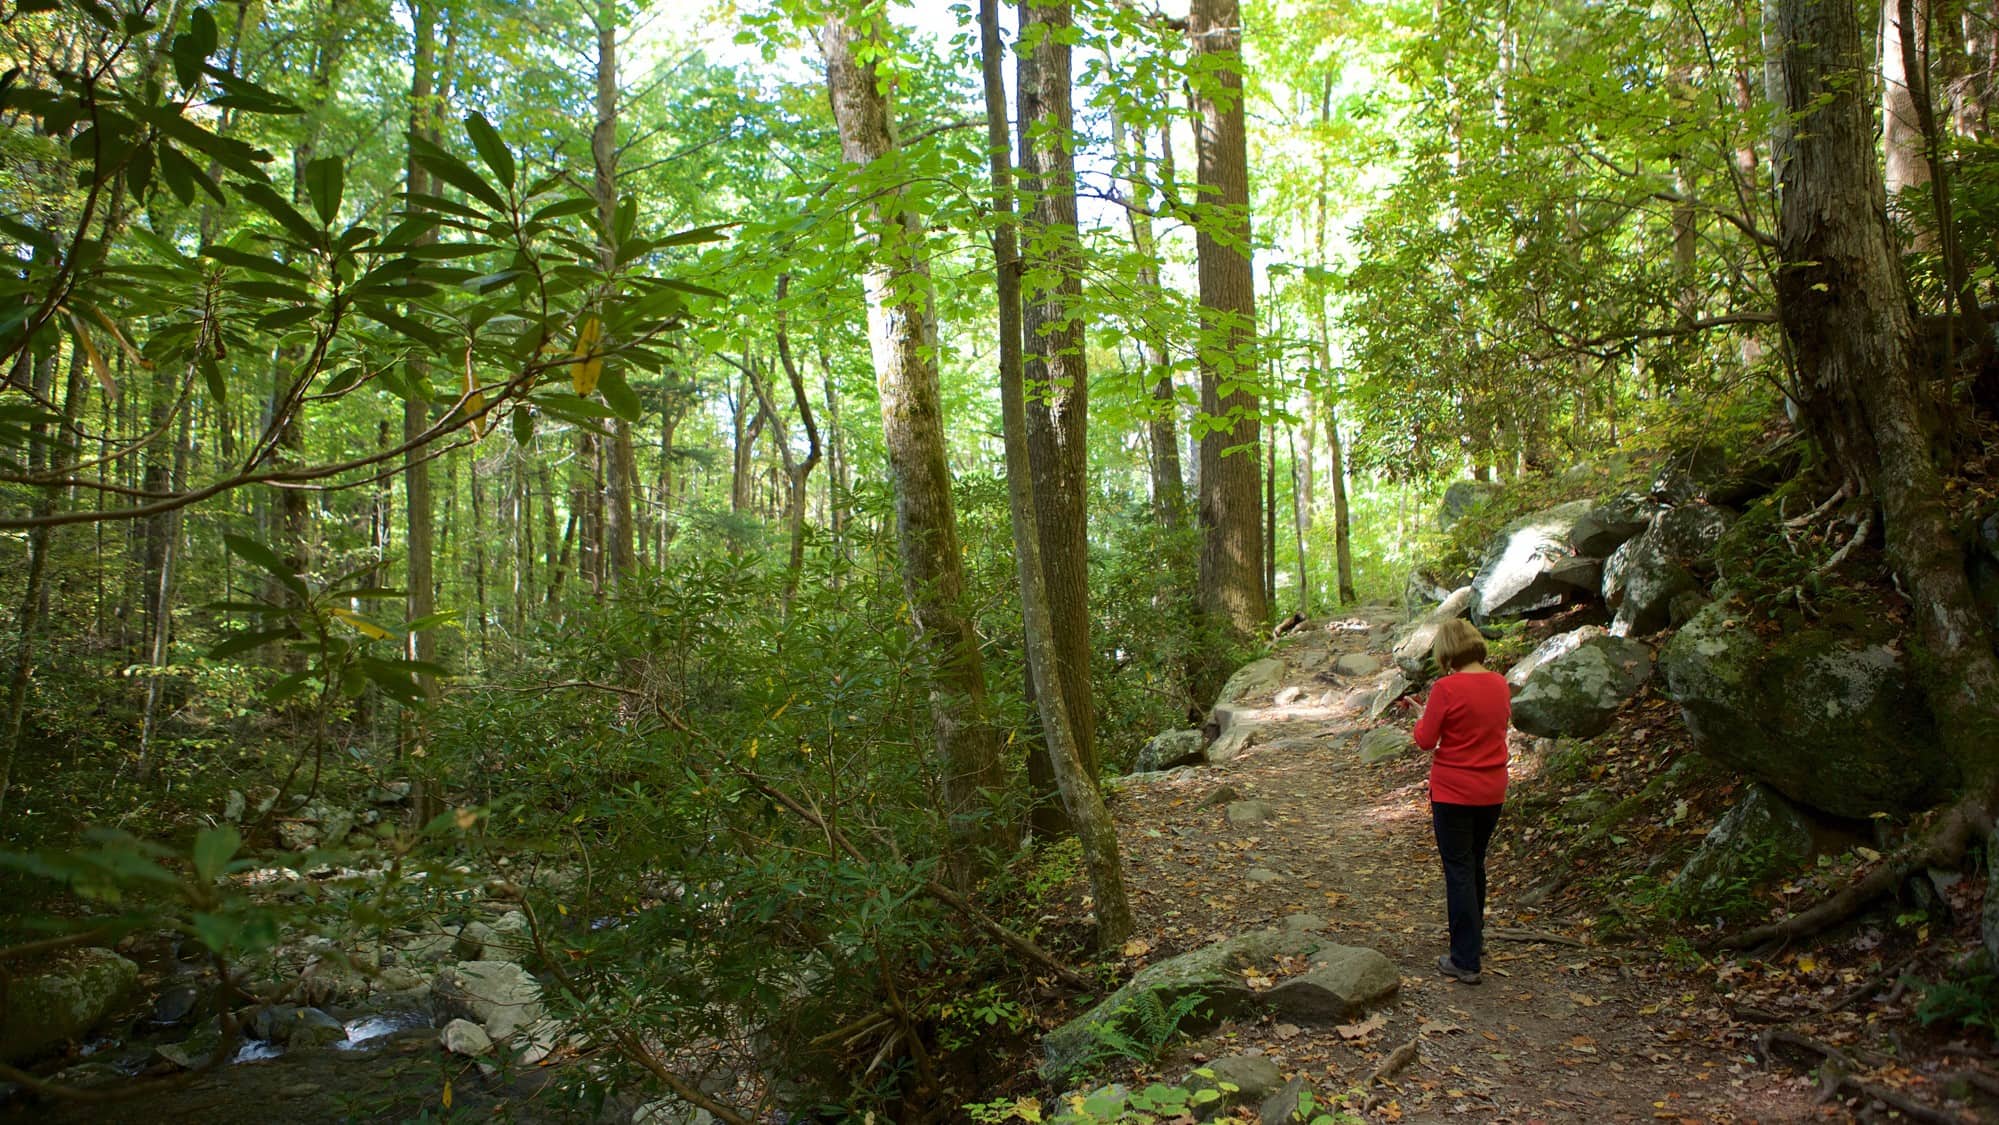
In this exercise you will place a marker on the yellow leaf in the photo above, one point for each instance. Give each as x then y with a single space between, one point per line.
1027 1109
446 1099
465 818
359 623
1807 963
97 363
474 404
1137 947
589 363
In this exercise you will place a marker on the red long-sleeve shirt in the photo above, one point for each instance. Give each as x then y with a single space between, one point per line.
1465 723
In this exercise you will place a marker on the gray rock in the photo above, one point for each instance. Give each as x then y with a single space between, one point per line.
90 1075
1262 875
1412 650
1168 749
498 995
1255 678
463 1037
430 949
1514 580
1989 920
1645 575
1288 696
1358 664
1584 577
1344 981
1611 524
1462 498
175 1003
63 1002
1419 592
310 1027
469 944
195 1050
1242 1079
1214 972
390 793
1220 795
1396 686
1286 1106
1248 814
538 1040
1761 835
1233 743
671 1111
1576 683
1383 743
1832 720
1688 472
234 806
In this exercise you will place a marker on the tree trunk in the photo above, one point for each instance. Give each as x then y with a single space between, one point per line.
902 339
1169 488
420 594
1231 516
1298 525
1057 378
797 473
622 555
1906 163
1846 315
1080 797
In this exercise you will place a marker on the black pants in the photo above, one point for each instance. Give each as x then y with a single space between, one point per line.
1463 831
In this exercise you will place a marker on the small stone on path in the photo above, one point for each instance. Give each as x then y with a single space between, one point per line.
1222 795
1243 814
1263 875
1288 696
1383 743
1357 664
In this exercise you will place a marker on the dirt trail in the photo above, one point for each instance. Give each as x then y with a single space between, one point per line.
1557 1031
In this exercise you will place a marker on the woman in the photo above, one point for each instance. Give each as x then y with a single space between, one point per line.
1464 725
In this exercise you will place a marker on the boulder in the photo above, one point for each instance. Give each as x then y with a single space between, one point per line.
1168 749
1248 814
1412 651
1288 696
62 1002
1383 743
498 995
1689 472
463 1037
1462 498
194 1051
1241 1080
1343 981
1258 677
1514 580
1760 472
1577 682
1645 575
1213 972
1610 524
1395 688
1762 835
1419 592
310 1027
1831 719
1358 664
1286 1106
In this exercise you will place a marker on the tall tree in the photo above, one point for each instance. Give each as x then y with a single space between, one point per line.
902 338
1084 803
1052 349
621 472
418 516
1231 510
1169 489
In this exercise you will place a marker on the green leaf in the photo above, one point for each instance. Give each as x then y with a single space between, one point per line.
491 148
230 256
523 422
455 172
261 556
213 850
577 205
278 207
618 394
324 180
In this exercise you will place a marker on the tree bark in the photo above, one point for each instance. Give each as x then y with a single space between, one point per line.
421 598
902 338
798 474
1080 797
1231 516
621 472
1846 315
1057 378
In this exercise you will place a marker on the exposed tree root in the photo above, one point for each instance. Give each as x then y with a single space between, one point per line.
1836 1076
1535 936
1942 845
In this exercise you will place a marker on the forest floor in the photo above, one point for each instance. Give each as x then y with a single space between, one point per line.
1563 1028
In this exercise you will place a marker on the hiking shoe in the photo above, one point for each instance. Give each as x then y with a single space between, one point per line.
1450 969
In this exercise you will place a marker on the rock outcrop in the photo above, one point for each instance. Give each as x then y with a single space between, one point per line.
62 1002
1529 566
1829 719
1574 683
1761 835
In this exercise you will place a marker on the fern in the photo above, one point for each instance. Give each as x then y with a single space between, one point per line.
1137 1029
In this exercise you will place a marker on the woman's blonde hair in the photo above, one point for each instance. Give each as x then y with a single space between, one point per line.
1458 643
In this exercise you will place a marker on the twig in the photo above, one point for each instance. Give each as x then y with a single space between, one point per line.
1811 516
1536 936
1870 986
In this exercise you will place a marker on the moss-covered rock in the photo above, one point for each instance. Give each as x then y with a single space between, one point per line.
63 1002
1761 836
1577 682
1831 719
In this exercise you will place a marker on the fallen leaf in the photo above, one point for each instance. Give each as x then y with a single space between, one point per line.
1364 1028
1137 947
